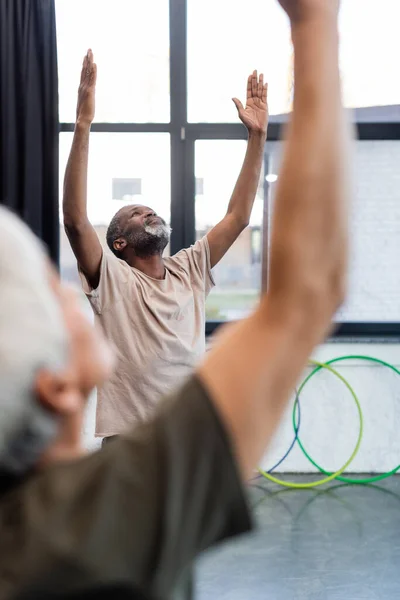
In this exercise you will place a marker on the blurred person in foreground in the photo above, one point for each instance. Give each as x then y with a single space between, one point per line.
129 521
151 307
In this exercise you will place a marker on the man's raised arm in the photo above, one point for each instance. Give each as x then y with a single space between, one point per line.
255 117
252 370
81 234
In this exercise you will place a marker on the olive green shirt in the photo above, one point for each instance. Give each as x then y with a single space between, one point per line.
127 521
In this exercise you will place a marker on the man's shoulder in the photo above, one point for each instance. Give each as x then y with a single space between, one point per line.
195 263
115 263
116 271
186 255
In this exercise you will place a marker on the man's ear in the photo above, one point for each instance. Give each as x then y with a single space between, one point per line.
119 244
56 392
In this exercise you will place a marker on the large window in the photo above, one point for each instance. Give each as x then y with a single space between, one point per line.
166 132
222 51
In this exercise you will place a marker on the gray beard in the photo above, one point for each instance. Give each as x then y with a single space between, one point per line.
159 231
150 241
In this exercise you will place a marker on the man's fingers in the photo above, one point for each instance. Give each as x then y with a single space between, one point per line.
249 86
238 104
254 84
84 68
89 69
89 64
265 93
260 86
93 75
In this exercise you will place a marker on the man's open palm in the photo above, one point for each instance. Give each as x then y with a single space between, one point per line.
87 88
255 114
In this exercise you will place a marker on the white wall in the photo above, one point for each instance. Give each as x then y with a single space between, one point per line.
329 421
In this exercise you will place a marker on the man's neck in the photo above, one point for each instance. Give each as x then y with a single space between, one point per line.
152 266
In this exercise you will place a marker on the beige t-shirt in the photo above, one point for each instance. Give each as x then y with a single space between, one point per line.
158 330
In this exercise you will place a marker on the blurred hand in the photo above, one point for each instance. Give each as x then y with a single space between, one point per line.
300 9
86 92
255 115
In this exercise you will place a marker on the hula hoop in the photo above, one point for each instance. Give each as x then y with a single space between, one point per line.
330 476
340 477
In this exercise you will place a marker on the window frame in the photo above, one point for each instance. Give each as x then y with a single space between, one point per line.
183 136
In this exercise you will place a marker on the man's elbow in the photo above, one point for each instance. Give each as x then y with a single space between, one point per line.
74 226
321 302
240 221
309 303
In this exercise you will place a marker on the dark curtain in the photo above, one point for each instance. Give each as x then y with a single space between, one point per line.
29 116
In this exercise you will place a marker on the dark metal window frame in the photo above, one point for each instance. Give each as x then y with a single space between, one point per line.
183 136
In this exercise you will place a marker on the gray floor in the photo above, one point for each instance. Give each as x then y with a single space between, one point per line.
335 543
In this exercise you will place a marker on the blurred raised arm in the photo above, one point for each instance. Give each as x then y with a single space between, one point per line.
252 370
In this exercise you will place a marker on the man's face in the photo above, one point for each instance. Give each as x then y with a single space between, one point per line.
137 217
144 230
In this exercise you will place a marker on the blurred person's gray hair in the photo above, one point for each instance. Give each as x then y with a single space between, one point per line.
32 337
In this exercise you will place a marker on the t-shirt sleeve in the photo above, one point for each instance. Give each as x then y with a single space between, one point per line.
185 488
113 276
196 260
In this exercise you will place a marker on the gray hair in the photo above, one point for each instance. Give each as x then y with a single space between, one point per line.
32 336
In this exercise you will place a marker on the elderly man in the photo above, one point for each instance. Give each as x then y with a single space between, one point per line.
152 308
130 520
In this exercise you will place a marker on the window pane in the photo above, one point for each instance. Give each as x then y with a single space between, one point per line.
374 283
130 41
222 52
124 168
218 68
370 49
238 275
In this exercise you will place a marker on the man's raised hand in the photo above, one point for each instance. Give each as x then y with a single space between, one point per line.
255 114
86 92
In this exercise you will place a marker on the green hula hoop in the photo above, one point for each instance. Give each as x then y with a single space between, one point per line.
339 477
330 476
